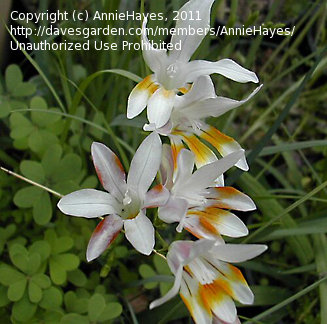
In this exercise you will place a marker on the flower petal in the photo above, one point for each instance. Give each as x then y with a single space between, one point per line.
237 252
229 198
154 58
167 166
194 8
174 210
205 176
185 165
104 234
217 320
214 107
160 106
109 169
203 155
200 311
214 222
145 164
89 203
224 144
202 88
226 67
157 196
172 292
215 295
139 97
139 232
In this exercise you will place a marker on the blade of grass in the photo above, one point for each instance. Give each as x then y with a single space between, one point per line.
253 155
288 300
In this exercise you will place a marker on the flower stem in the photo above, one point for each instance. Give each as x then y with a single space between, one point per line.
31 182
161 255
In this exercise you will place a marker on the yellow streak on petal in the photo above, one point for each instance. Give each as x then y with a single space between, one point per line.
223 193
145 83
203 154
176 147
216 138
236 274
186 89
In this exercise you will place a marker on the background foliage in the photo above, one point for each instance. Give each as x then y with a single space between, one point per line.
53 105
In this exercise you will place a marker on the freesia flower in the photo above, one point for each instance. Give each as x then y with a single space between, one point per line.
195 201
207 283
186 123
125 202
173 71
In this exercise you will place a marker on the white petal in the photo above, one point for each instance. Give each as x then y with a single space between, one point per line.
157 196
230 225
109 169
202 88
145 164
199 10
172 292
215 107
216 320
205 176
103 235
88 203
237 252
226 67
173 211
154 58
185 165
167 166
139 97
140 233
229 198
224 308
160 106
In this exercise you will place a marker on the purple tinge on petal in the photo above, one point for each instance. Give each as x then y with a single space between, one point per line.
155 197
103 235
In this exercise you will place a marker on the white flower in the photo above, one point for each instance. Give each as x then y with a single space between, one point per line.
207 283
173 71
125 202
186 123
195 201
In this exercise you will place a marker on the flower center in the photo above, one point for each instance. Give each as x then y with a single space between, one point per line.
131 205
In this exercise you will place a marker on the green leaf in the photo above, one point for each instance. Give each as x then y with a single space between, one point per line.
34 262
57 273
27 196
74 319
32 170
67 261
51 159
20 126
4 301
42 248
96 307
76 304
42 280
34 292
13 77
52 298
42 209
4 109
9 275
40 140
269 295
146 272
24 89
111 311
23 310
62 244
70 168
77 278
16 290
18 256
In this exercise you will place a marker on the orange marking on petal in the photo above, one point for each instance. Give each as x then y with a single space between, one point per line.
194 234
145 83
224 193
201 151
211 294
99 175
216 138
120 166
153 88
207 224
175 149
236 273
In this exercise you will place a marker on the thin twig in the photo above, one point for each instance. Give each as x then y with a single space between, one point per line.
158 253
31 182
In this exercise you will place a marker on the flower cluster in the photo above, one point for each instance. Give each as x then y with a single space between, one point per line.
178 96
